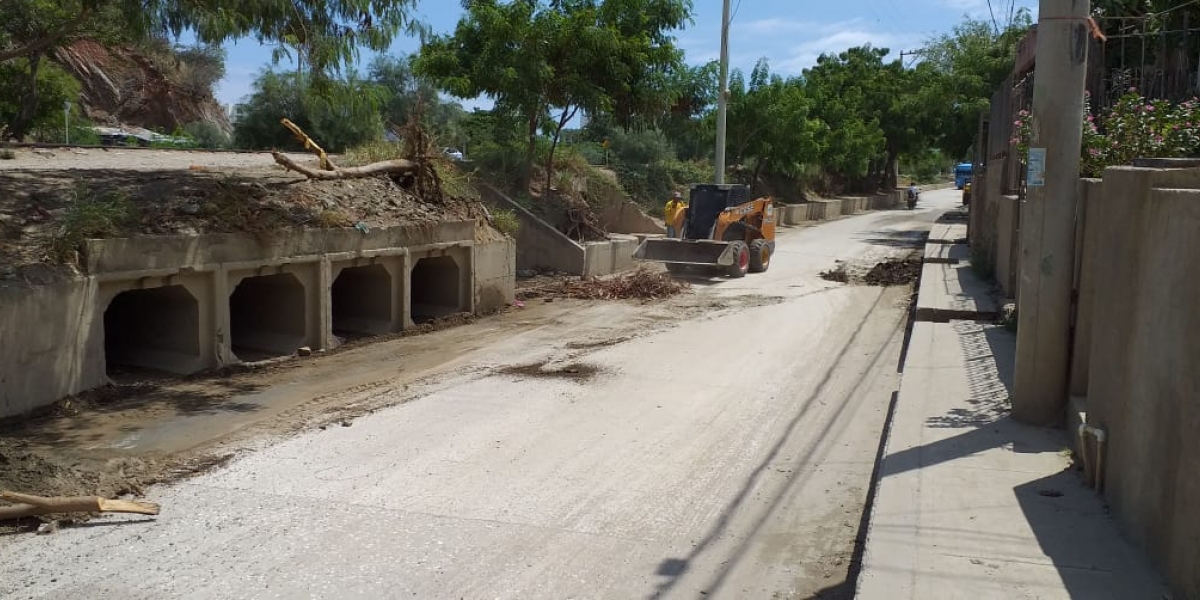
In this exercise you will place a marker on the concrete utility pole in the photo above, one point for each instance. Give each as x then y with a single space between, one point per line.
1048 213
723 97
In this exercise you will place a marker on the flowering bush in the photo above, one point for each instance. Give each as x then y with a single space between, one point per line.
1134 127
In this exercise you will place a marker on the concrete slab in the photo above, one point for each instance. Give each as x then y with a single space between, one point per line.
947 233
954 292
947 253
971 504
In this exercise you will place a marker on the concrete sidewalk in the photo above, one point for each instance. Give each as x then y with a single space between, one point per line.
971 504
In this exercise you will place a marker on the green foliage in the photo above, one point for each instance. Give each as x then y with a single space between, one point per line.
505 221
407 92
54 85
7 154
89 216
198 69
973 59
600 56
207 135
346 115
1135 127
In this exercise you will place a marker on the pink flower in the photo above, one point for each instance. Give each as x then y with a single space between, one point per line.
1018 123
1150 108
1094 151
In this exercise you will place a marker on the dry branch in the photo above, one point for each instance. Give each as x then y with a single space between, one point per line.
29 506
387 167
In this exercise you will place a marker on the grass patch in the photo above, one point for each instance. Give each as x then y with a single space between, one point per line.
506 221
371 152
7 154
90 216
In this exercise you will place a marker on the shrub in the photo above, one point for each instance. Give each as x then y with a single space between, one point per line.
90 216
207 134
506 221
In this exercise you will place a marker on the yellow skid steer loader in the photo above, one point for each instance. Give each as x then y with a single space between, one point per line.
722 230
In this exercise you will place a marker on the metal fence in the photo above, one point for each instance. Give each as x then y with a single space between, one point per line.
1139 53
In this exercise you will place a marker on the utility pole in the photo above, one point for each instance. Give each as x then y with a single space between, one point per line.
1048 213
723 97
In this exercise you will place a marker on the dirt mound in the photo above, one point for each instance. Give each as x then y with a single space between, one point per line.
893 272
887 273
642 284
575 372
45 213
28 471
838 274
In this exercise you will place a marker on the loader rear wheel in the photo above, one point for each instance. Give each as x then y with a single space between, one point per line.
741 260
760 256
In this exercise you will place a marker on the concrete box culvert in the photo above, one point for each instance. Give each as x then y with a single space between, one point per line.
436 288
156 328
267 316
362 302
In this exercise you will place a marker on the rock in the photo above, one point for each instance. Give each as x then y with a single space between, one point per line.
48 528
304 351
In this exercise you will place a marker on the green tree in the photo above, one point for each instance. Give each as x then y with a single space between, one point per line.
347 115
842 89
534 57
769 123
406 90
53 87
972 60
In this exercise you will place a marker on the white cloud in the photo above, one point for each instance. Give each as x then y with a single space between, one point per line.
792 45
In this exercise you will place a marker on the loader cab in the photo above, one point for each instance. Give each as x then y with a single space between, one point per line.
706 203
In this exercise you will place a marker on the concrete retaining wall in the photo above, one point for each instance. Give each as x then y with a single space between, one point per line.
539 246
182 304
1142 381
1136 345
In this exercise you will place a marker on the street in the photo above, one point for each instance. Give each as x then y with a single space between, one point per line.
726 454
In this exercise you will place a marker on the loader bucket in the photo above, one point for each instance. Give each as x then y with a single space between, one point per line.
685 252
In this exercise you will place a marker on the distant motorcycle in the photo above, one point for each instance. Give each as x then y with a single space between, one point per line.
912 198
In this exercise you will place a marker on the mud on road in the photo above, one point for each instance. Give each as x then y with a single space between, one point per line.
147 428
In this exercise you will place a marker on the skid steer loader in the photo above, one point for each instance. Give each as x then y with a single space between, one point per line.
721 231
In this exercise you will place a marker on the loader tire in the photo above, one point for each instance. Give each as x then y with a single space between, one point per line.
741 260
760 256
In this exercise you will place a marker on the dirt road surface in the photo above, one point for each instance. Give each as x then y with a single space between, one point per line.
716 445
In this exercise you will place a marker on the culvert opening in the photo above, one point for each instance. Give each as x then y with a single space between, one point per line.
157 328
435 288
266 315
362 301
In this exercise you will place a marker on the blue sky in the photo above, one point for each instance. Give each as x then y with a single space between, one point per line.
791 34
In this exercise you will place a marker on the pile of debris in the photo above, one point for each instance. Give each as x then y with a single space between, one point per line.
894 272
891 272
838 274
642 284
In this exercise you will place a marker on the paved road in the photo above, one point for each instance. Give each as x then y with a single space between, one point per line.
726 456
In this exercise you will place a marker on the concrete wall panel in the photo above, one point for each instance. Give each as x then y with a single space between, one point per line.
51 343
1142 385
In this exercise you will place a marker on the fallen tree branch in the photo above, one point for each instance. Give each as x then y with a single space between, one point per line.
398 166
309 144
30 506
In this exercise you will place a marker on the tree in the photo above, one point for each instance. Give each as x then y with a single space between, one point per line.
842 88
406 90
973 60
533 56
347 115
323 34
53 86
769 123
